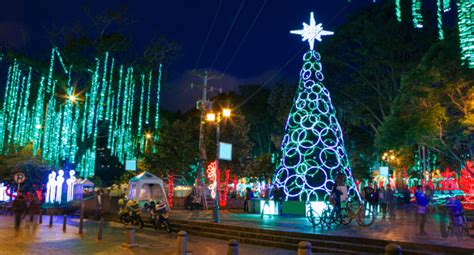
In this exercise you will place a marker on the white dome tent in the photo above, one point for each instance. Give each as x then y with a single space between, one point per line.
146 187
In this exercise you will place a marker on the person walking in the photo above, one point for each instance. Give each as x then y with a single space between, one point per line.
406 199
248 198
19 207
390 194
383 201
335 200
375 201
98 207
368 196
422 207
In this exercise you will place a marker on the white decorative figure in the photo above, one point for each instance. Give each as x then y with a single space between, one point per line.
59 185
311 32
3 192
70 185
51 188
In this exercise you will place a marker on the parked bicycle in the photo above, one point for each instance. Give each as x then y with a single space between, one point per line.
330 216
457 219
312 216
356 210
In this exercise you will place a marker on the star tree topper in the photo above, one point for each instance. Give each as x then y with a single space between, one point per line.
312 31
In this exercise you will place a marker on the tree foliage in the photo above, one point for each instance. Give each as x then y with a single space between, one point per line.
435 106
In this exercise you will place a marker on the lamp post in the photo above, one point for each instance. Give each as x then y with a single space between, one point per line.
389 157
148 136
216 119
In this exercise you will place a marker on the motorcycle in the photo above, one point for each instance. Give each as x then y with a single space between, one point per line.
130 213
159 215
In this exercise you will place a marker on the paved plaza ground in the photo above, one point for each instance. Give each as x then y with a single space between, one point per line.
34 238
403 229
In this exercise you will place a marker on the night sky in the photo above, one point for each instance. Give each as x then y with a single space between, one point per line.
269 52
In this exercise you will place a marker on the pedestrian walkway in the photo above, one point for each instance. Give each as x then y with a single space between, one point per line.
34 238
403 229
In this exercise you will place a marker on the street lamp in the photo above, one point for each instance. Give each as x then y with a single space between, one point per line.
216 119
72 98
148 136
389 157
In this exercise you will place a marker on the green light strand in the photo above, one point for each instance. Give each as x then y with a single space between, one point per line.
50 75
111 124
2 132
440 20
115 137
17 113
157 113
38 122
84 119
416 12
148 98
65 69
140 113
131 99
24 112
7 88
103 89
398 10
110 92
446 5
466 31
5 109
121 136
74 148
129 137
12 98
92 99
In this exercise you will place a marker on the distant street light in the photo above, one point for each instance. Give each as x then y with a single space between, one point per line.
389 157
148 136
226 112
212 118
72 98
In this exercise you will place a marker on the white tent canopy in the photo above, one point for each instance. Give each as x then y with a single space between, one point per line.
145 187
80 185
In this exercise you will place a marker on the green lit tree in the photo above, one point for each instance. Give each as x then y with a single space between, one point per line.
313 153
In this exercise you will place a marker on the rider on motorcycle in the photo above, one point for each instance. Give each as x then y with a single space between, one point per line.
161 210
130 211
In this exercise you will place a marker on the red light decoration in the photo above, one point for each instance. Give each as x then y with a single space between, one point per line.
449 181
38 192
212 176
223 195
235 181
9 191
170 191
466 184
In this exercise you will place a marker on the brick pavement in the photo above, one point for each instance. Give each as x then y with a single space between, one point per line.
403 229
33 238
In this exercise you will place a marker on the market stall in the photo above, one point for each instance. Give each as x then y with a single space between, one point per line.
146 187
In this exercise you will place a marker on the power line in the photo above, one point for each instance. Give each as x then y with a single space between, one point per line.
287 62
208 34
228 33
271 78
243 40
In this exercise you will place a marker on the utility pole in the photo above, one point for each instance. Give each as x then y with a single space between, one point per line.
202 105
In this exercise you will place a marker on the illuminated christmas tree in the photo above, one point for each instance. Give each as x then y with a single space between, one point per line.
313 153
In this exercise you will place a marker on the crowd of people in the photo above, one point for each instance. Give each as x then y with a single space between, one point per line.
24 205
385 200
